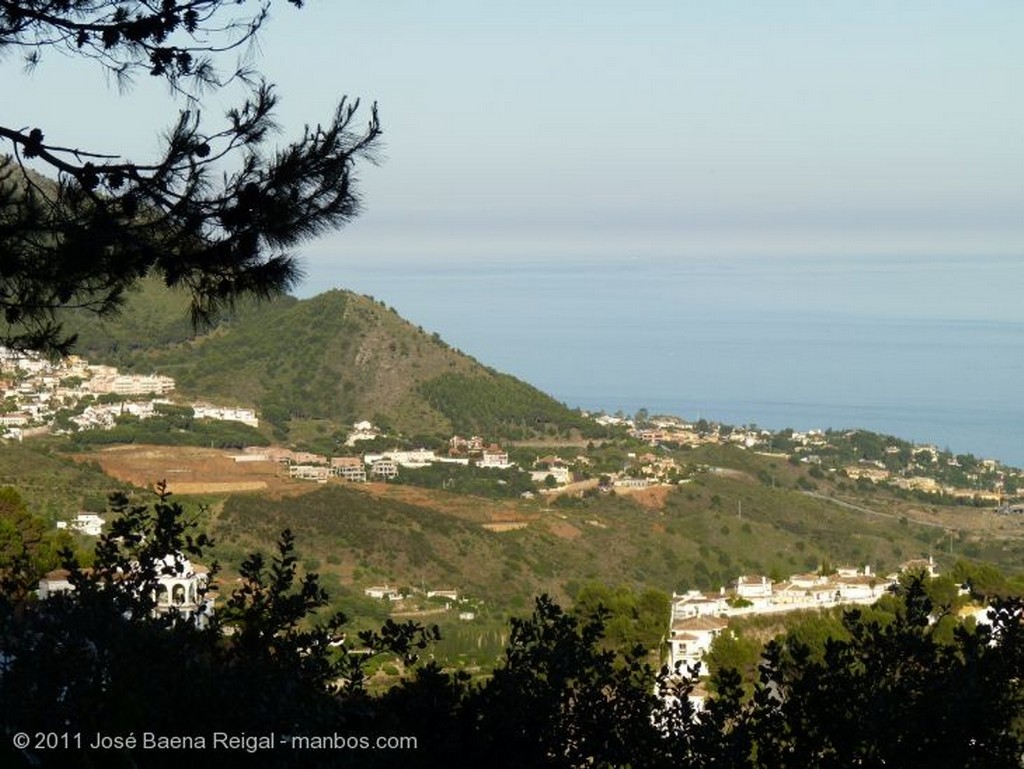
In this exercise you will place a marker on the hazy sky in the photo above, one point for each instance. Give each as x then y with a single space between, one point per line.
597 129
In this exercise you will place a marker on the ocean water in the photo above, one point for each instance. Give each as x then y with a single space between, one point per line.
927 349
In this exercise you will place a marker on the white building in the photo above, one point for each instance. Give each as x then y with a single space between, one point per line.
89 524
562 475
385 467
318 473
493 456
632 483
362 431
225 414
694 603
690 639
383 592
413 457
753 588
54 582
180 588
106 379
450 593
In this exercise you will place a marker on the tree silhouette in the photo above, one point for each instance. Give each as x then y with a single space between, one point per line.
890 691
215 213
100 659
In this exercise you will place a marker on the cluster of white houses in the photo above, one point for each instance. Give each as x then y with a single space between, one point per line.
449 595
646 469
35 389
370 466
698 618
88 524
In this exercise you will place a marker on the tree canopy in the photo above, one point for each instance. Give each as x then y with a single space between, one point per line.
216 213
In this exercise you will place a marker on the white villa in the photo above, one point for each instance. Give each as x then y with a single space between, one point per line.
494 456
383 592
362 431
562 475
689 639
180 587
384 467
89 524
694 603
756 589
225 414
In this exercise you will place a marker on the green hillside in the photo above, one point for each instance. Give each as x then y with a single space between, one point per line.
737 513
314 366
52 485
749 514
152 316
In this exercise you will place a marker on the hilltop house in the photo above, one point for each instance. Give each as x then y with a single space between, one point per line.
225 414
362 431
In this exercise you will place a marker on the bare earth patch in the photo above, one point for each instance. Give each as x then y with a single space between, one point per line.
653 497
475 509
564 529
192 470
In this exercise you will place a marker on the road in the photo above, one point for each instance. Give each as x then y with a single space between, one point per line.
859 509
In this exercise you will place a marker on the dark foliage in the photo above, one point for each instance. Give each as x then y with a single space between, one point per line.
500 405
895 694
82 240
100 660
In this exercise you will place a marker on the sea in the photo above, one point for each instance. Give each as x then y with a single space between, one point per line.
928 349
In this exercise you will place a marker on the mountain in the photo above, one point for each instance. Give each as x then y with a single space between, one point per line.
314 366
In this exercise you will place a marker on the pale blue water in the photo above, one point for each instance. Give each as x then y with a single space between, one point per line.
931 350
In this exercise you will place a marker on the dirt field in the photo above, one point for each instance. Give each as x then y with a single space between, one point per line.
192 470
563 529
474 509
653 497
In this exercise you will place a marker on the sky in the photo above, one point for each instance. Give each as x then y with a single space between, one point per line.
608 130
669 179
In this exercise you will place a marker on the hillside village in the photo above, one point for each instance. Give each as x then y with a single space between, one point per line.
853 454
41 397
75 397
697 618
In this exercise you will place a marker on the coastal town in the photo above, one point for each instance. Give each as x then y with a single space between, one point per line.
71 396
